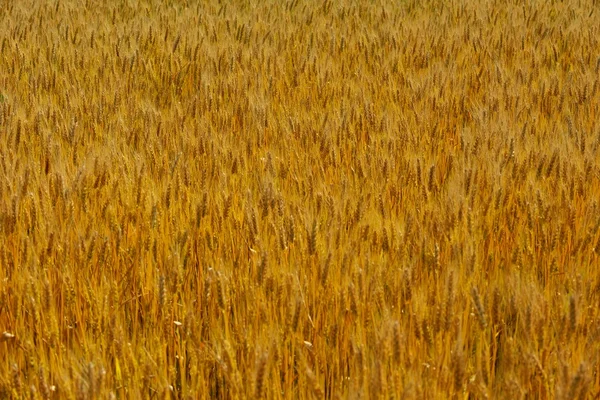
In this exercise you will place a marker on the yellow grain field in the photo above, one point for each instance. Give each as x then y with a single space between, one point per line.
346 199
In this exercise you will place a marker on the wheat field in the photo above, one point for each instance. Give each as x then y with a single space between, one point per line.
302 199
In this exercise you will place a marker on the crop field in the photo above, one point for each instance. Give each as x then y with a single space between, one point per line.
347 199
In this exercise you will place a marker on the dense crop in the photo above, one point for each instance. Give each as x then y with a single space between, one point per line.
302 199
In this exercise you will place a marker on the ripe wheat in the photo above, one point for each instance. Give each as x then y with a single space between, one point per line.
301 199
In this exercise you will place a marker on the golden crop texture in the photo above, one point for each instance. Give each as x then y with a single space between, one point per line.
346 199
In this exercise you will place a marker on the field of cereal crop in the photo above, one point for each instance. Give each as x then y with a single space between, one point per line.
303 199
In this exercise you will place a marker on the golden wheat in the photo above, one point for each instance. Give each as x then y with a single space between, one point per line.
299 199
